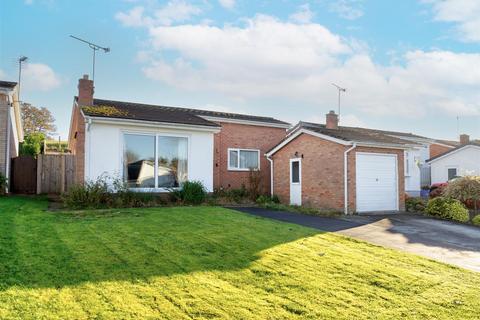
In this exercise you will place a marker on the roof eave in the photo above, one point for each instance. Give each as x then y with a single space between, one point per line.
247 122
172 125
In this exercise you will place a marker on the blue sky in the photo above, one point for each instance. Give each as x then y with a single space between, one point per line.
407 65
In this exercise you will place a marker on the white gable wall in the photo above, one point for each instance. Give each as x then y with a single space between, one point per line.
466 160
104 150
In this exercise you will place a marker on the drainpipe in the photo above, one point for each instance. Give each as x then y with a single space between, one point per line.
345 177
7 154
271 175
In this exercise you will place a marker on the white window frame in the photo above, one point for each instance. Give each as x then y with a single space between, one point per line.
407 163
155 135
299 160
452 167
238 159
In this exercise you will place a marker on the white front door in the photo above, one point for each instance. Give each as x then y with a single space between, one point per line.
296 181
377 182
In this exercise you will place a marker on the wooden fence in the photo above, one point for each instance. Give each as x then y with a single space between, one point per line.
49 173
55 173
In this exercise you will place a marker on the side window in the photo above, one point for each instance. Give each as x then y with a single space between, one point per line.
452 173
243 159
295 170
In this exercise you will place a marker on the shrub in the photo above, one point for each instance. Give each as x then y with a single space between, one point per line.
32 144
437 190
275 199
415 204
3 184
476 220
90 195
466 189
447 208
264 199
191 192
254 183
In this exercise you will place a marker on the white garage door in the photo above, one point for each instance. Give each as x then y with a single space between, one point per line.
376 182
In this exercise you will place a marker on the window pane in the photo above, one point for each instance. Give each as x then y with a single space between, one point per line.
233 159
248 159
139 163
452 173
172 161
295 172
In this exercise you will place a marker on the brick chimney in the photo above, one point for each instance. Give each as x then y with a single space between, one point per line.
332 120
464 139
85 91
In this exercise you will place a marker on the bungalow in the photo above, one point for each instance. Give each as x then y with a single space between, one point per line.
460 161
340 168
154 148
11 131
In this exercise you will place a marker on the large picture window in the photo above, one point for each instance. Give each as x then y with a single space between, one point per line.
155 161
243 159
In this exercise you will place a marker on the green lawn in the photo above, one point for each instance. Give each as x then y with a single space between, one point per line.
206 262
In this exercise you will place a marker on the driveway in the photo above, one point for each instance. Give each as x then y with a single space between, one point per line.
444 241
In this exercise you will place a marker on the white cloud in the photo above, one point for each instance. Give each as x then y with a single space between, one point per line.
39 76
465 13
228 4
303 15
173 11
271 59
347 9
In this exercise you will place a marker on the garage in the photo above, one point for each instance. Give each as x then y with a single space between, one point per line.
376 182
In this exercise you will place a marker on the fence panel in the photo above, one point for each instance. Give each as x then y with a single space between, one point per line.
55 173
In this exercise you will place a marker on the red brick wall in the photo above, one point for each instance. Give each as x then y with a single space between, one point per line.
76 144
436 149
242 136
322 172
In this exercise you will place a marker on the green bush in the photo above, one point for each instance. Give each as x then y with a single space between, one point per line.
191 192
32 144
263 199
106 192
275 199
476 220
3 184
415 204
447 208
466 189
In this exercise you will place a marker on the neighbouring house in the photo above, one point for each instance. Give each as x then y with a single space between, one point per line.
11 130
340 168
460 161
154 148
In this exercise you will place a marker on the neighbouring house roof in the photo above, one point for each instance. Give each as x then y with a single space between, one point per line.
474 144
146 112
354 134
346 135
447 142
7 84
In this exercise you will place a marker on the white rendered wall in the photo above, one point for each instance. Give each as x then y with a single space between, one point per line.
104 150
466 160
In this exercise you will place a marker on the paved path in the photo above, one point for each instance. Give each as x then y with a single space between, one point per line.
444 241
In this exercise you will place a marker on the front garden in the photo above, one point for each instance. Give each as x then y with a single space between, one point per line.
209 262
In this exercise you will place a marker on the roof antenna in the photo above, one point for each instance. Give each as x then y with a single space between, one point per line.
340 90
458 126
20 60
95 48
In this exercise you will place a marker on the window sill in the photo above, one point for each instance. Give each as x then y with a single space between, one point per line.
153 190
242 170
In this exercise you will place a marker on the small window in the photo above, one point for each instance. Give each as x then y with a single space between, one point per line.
243 159
452 173
295 171
407 163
